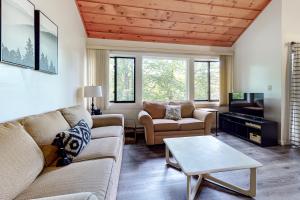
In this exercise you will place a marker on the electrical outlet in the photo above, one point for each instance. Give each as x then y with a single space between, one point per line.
270 88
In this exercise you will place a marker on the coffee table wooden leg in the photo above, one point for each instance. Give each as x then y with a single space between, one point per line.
248 192
192 191
168 160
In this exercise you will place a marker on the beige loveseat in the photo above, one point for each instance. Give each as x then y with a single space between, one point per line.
27 158
193 122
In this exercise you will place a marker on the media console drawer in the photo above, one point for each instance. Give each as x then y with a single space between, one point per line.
255 138
252 125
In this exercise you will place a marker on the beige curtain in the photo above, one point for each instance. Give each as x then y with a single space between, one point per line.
97 74
226 81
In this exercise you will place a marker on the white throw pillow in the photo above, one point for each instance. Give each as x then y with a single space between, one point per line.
173 112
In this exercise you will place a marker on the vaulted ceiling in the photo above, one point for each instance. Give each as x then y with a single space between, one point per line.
197 22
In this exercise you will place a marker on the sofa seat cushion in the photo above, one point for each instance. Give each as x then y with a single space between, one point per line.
76 113
107 131
100 148
89 176
189 124
165 125
21 160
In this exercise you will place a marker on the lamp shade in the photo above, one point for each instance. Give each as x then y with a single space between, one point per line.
92 91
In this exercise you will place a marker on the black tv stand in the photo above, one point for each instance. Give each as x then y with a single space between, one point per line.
254 129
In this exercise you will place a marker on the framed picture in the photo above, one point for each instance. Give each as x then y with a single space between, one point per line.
17 33
46 47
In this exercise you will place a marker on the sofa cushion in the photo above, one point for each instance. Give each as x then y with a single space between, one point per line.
43 128
89 176
188 124
165 125
76 113
173 112
155 110
71 142
21 160
100 148
107 131
187 108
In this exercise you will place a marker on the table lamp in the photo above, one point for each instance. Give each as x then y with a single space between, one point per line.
91 92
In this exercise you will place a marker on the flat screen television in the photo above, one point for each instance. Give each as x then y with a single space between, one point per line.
247 103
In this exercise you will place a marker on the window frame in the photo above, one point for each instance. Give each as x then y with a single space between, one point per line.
208 82
116 82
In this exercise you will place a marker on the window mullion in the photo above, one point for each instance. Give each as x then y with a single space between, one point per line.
208 65
115 88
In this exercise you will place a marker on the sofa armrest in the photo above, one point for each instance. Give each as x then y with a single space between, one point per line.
108 120
206 117
146 120
75 196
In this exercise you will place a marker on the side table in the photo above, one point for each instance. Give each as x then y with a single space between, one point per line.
213 111
130 131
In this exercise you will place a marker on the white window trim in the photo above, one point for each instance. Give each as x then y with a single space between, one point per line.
139 77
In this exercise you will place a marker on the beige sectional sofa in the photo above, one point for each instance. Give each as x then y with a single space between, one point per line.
27 158
194 122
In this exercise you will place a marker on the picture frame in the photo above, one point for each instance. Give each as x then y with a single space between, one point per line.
46 46
17 33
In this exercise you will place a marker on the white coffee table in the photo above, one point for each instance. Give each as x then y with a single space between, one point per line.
202 155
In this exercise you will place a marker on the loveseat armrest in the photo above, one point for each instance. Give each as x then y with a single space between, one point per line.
108 120
75 196
206 117
146 120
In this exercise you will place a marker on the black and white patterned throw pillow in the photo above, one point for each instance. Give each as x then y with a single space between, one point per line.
71 142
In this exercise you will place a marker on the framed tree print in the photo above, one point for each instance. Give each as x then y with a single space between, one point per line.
17 33
46 47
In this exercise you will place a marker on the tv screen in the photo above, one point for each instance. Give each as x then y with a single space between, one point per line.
247 103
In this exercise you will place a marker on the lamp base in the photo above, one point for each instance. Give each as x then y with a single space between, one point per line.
96 112
93 110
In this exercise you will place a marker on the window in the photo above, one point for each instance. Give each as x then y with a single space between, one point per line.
206 80
122 79
164 79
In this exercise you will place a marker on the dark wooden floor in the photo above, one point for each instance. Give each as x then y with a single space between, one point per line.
145 176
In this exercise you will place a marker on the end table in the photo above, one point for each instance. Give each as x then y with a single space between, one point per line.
130 131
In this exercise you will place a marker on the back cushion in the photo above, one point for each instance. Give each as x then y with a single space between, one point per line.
187 108
21 160
155 110
43 128
76 113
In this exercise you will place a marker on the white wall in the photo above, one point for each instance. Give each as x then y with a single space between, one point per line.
26 92
258 59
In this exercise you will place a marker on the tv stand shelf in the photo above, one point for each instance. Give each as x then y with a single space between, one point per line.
254 129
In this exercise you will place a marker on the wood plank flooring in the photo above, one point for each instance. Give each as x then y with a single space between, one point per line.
144 175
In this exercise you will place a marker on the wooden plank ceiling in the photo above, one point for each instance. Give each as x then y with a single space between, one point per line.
197 22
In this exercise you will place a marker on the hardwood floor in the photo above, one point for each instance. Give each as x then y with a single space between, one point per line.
144 175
